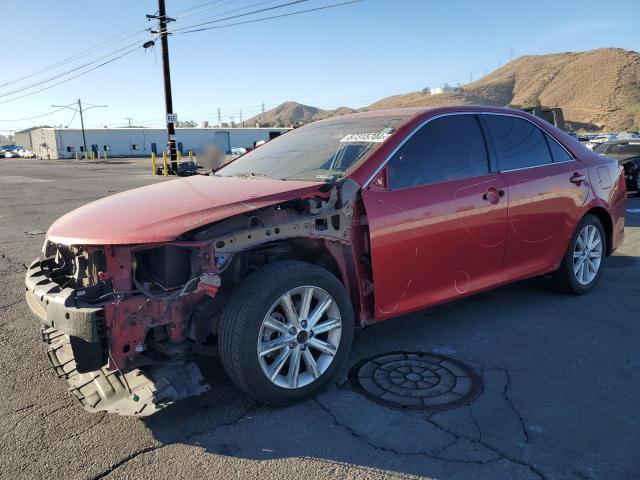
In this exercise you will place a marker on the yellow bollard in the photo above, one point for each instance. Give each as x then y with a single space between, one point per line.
166 164
105 154
179 156
190 156
153 162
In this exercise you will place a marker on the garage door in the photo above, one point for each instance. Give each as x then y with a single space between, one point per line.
222 141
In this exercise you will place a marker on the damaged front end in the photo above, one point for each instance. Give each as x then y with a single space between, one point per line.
118 332
123 322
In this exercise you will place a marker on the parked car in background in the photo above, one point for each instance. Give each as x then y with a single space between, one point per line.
11 151
274 260
186 168
238 152
26 153
627 135
627 153
598 139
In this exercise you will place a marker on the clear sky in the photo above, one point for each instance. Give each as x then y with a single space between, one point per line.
351 55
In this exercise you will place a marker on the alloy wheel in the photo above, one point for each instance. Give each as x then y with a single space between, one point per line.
299 337
587 254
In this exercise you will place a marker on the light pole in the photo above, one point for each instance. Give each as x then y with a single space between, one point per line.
81 111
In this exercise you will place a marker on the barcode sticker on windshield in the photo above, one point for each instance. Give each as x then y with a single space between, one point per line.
366 137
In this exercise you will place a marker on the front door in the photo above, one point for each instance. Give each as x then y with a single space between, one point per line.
438 230
546 188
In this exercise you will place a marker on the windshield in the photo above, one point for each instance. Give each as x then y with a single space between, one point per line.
322 151
630 148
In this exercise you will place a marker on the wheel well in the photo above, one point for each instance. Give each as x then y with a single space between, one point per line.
607 224
303 249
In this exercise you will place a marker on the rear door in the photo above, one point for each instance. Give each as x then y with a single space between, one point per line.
438 228
546 188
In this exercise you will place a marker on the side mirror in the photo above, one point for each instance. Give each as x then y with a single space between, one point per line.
380 182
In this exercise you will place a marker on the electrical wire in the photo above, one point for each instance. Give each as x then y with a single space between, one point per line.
31 118
218 4
75 112
55 77
270 17
70 78
241 15
81 54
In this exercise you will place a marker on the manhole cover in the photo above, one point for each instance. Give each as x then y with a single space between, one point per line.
421 381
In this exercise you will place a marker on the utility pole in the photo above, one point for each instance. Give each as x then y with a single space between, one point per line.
84 138
263 108
129 119
81 112
219 119
163 20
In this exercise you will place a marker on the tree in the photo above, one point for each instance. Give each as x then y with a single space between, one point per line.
426 90
186 124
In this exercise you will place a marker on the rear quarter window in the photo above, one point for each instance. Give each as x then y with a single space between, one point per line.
558 153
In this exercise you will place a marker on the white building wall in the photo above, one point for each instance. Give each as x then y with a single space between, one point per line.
133 142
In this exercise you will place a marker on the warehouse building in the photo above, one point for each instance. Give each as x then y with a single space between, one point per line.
56 143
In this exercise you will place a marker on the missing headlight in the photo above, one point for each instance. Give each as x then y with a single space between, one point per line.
168 267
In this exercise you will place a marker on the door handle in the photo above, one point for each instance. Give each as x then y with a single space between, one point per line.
577 178
493 195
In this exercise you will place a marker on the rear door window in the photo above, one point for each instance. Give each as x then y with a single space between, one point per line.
447 148
519 142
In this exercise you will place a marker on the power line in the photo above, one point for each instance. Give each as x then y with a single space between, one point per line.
70 78
194 11
271 17
76 56
241 15
31 118
55 77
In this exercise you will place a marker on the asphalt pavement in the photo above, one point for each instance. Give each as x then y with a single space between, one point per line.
560 398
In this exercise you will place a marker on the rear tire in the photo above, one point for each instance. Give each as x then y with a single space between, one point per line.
313 347
583 261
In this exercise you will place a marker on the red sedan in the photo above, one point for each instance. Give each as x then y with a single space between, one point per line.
274 260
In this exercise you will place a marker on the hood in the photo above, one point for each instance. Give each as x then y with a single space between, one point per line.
163 211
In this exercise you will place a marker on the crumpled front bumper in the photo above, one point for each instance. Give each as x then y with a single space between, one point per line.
77 340
57 308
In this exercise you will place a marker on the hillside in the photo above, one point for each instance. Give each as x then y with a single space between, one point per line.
597 90
292 113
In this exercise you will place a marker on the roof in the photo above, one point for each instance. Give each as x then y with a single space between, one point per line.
415 111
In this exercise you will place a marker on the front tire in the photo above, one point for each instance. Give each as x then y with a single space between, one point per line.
286 331
582 264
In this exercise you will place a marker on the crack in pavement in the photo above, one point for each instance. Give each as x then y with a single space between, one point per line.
393 451
153 448
13 261
495 450
479 441
505 394
7 305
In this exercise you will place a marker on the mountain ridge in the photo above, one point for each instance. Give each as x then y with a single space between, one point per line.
597 90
